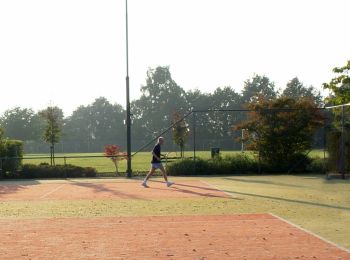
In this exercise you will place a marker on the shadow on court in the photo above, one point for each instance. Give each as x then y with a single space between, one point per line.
8 187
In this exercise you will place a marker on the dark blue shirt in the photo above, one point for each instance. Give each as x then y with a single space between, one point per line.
156 151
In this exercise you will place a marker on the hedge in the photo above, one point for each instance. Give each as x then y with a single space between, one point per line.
241 164
8 149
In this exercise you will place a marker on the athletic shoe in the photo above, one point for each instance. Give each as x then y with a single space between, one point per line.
169 183
144 184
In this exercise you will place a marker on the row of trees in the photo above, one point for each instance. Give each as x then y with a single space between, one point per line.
92 126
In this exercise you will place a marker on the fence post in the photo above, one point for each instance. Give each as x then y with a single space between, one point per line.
1 168
194 142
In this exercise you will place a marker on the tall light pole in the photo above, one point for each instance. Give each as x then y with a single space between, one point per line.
128 120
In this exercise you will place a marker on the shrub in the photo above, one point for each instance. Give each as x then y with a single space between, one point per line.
317 165
8 150
238 164
334 151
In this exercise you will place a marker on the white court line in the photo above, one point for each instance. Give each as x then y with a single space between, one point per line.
51 191
214 187
310 233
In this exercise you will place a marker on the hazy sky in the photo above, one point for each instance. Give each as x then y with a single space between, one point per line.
69 52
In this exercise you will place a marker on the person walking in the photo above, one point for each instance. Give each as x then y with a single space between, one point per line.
157 164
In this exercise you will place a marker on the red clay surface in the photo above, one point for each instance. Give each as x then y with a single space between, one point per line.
113 190
250 236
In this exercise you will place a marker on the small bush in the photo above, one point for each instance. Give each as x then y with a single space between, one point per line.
317 165
9 150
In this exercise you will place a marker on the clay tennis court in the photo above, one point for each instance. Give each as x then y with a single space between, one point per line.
245 236
75 190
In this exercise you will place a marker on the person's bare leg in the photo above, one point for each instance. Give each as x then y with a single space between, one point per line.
168 183
162 170
150 173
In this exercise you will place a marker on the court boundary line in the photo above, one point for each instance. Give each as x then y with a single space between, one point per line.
214 187
51 191
310 232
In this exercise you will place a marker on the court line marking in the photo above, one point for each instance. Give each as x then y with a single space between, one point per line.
310 233
51 191
214 187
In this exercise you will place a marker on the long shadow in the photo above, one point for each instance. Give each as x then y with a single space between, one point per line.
201 194
7 187
198 193
192 186
99 188
290 200
264 182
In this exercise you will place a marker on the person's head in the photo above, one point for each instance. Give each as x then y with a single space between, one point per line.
161 140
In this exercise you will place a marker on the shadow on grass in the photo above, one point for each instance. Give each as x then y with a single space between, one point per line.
289 200
264 182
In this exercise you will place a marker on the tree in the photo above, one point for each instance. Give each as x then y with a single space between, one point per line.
258 86
339 86
295 89
95 125
152 113
1 133
196 100
54 123
22 124
180 131
282 129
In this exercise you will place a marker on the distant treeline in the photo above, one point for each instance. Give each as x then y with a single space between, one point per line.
91 127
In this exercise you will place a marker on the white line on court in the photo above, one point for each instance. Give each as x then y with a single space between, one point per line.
51 191
214 187
310 233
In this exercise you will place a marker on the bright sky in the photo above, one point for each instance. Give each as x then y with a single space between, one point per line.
69 52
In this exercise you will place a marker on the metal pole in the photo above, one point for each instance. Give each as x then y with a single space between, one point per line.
342 144
242 142
194 142
128 121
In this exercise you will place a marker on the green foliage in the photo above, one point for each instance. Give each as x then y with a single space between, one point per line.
98 121
180 131
8 150
317 165
258 86
31 171
160 97
22 124
1 133
334 150
53 129
54 124
339 86
280 135
242 164
237 164
295 89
